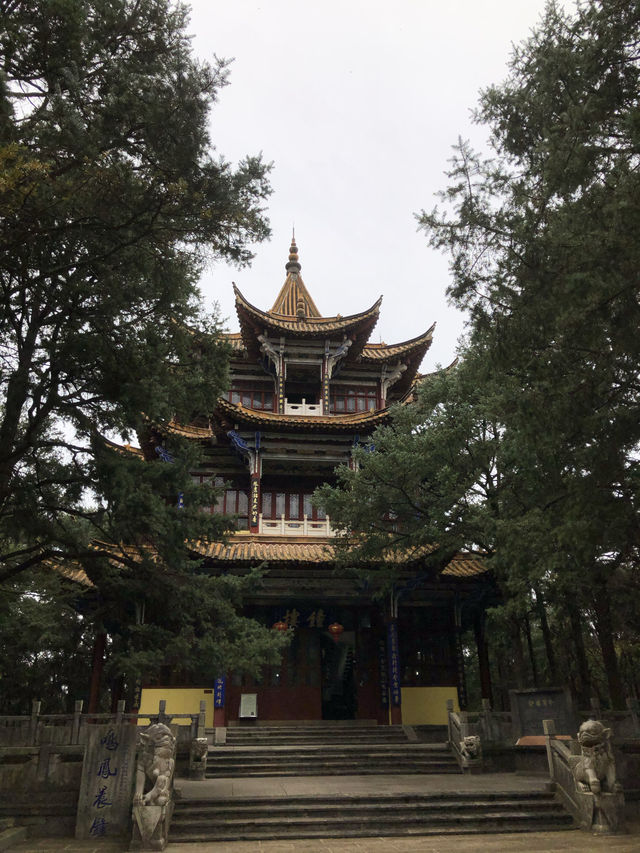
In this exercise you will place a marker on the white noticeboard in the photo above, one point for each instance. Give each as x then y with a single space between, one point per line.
249 705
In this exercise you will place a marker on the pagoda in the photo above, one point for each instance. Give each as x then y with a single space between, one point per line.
304 391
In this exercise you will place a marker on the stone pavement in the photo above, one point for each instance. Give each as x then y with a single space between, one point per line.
568 841
539 842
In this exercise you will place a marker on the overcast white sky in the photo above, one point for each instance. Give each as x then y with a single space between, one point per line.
357 104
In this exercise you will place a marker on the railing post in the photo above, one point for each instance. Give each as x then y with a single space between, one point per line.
162 707
201 718
549 729
486 726
464 724
120 711
449 712
33 722
77 716
634 711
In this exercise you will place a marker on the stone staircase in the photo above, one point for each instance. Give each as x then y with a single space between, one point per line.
326 751
340 816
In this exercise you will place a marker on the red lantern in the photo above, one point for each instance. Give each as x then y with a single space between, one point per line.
335 629
280 625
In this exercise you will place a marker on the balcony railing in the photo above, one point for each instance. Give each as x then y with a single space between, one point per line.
295 527
302 408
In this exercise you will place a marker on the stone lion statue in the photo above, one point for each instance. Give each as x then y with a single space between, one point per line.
595 770
199 748
470 747
156 762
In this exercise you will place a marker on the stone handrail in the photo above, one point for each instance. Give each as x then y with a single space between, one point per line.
579 782
464 739
68 729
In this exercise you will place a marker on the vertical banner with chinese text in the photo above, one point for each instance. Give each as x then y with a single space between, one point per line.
219 689
393 655
382 674
254 503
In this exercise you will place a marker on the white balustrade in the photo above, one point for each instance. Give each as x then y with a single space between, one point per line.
295 527
302 408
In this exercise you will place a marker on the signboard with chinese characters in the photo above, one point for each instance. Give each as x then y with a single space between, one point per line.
530 707
303 617
325 393
281 391
218 692
393 655
106 790
254 510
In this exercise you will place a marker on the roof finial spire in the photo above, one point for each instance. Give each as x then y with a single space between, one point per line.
293 265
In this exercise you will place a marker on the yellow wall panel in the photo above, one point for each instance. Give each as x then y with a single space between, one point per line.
180 700
427 706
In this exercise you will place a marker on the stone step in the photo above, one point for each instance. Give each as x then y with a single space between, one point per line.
344 806
329 770
342 737
11 835
423 749
327 732
336 817
329 760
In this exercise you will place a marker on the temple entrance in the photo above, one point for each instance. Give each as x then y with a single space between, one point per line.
339 697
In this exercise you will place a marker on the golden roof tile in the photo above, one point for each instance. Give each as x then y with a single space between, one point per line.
243 547
124 449
385 352
318 326
189 430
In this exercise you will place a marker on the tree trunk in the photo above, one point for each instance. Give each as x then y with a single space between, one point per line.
604 632
96 671
518 653
584 677
546 635
532 657
483 656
